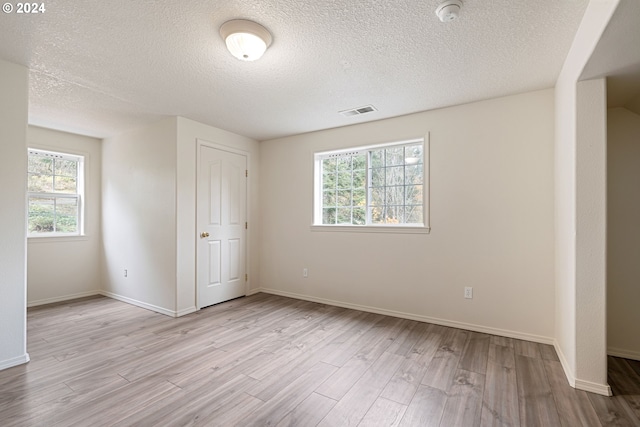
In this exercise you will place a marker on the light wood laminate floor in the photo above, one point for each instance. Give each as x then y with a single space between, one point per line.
265 360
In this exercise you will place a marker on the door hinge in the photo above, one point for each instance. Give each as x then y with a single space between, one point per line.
246 225
246 277
246 173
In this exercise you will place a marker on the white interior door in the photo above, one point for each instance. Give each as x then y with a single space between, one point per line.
221 205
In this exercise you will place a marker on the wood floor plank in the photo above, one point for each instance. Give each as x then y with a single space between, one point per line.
548 352
411 331
404 383
502 341
191 408
378 340
464 401
475 353
117 405
265 359
537 406
527 348
574 407
426 408
442 369
273 411
52 411
500 397
384 412
309 412
351 408
625 382
613 412
635 365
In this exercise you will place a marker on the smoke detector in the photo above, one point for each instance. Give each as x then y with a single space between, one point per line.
449 10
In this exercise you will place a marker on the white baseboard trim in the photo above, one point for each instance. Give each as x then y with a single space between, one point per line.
577 383
596 388
161 310
565 364
253 292
10 363
620 352
417 317
62 298
186 311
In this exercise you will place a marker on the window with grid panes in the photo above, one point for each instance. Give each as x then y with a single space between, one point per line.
380 185
55 187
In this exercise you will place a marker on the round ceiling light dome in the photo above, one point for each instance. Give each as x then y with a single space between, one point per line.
246 40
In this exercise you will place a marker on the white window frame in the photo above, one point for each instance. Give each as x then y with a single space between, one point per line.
370 228
79 195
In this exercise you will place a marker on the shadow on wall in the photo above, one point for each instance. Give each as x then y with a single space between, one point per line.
623 230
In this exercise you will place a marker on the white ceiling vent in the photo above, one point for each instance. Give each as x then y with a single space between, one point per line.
357 111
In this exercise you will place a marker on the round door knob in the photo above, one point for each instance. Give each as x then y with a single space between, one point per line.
204 234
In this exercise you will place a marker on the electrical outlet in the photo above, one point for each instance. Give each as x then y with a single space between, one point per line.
305 272
125 272
468 292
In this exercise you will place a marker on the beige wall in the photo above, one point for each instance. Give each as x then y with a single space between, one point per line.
13 176
491 218
623 232
63 268
139 216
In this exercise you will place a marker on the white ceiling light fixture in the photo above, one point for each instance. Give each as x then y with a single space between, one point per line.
246 40
449 10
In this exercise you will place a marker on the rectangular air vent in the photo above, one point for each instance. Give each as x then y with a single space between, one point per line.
357 111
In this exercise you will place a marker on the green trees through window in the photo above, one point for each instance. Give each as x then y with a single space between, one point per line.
382 185
54 190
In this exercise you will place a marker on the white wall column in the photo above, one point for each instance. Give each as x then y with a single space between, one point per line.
13 176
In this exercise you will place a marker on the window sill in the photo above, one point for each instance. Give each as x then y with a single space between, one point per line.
396 229
56 239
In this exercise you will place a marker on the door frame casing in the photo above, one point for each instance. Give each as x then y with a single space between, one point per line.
217 146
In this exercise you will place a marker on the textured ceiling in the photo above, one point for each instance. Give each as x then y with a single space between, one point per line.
101 68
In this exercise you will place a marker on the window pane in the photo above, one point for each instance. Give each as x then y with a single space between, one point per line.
40 183
413 195
377 215
65 184
394 156
41 214
359 162
344 198
329 215
413 214
395 196
359 178
344 215
377 177
377 197
329 174
359 216
344 164
66 167
344 179
377 158
40 165
413 154
384 185
395 175
66 215
413 174
359 198
395 215
329 198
